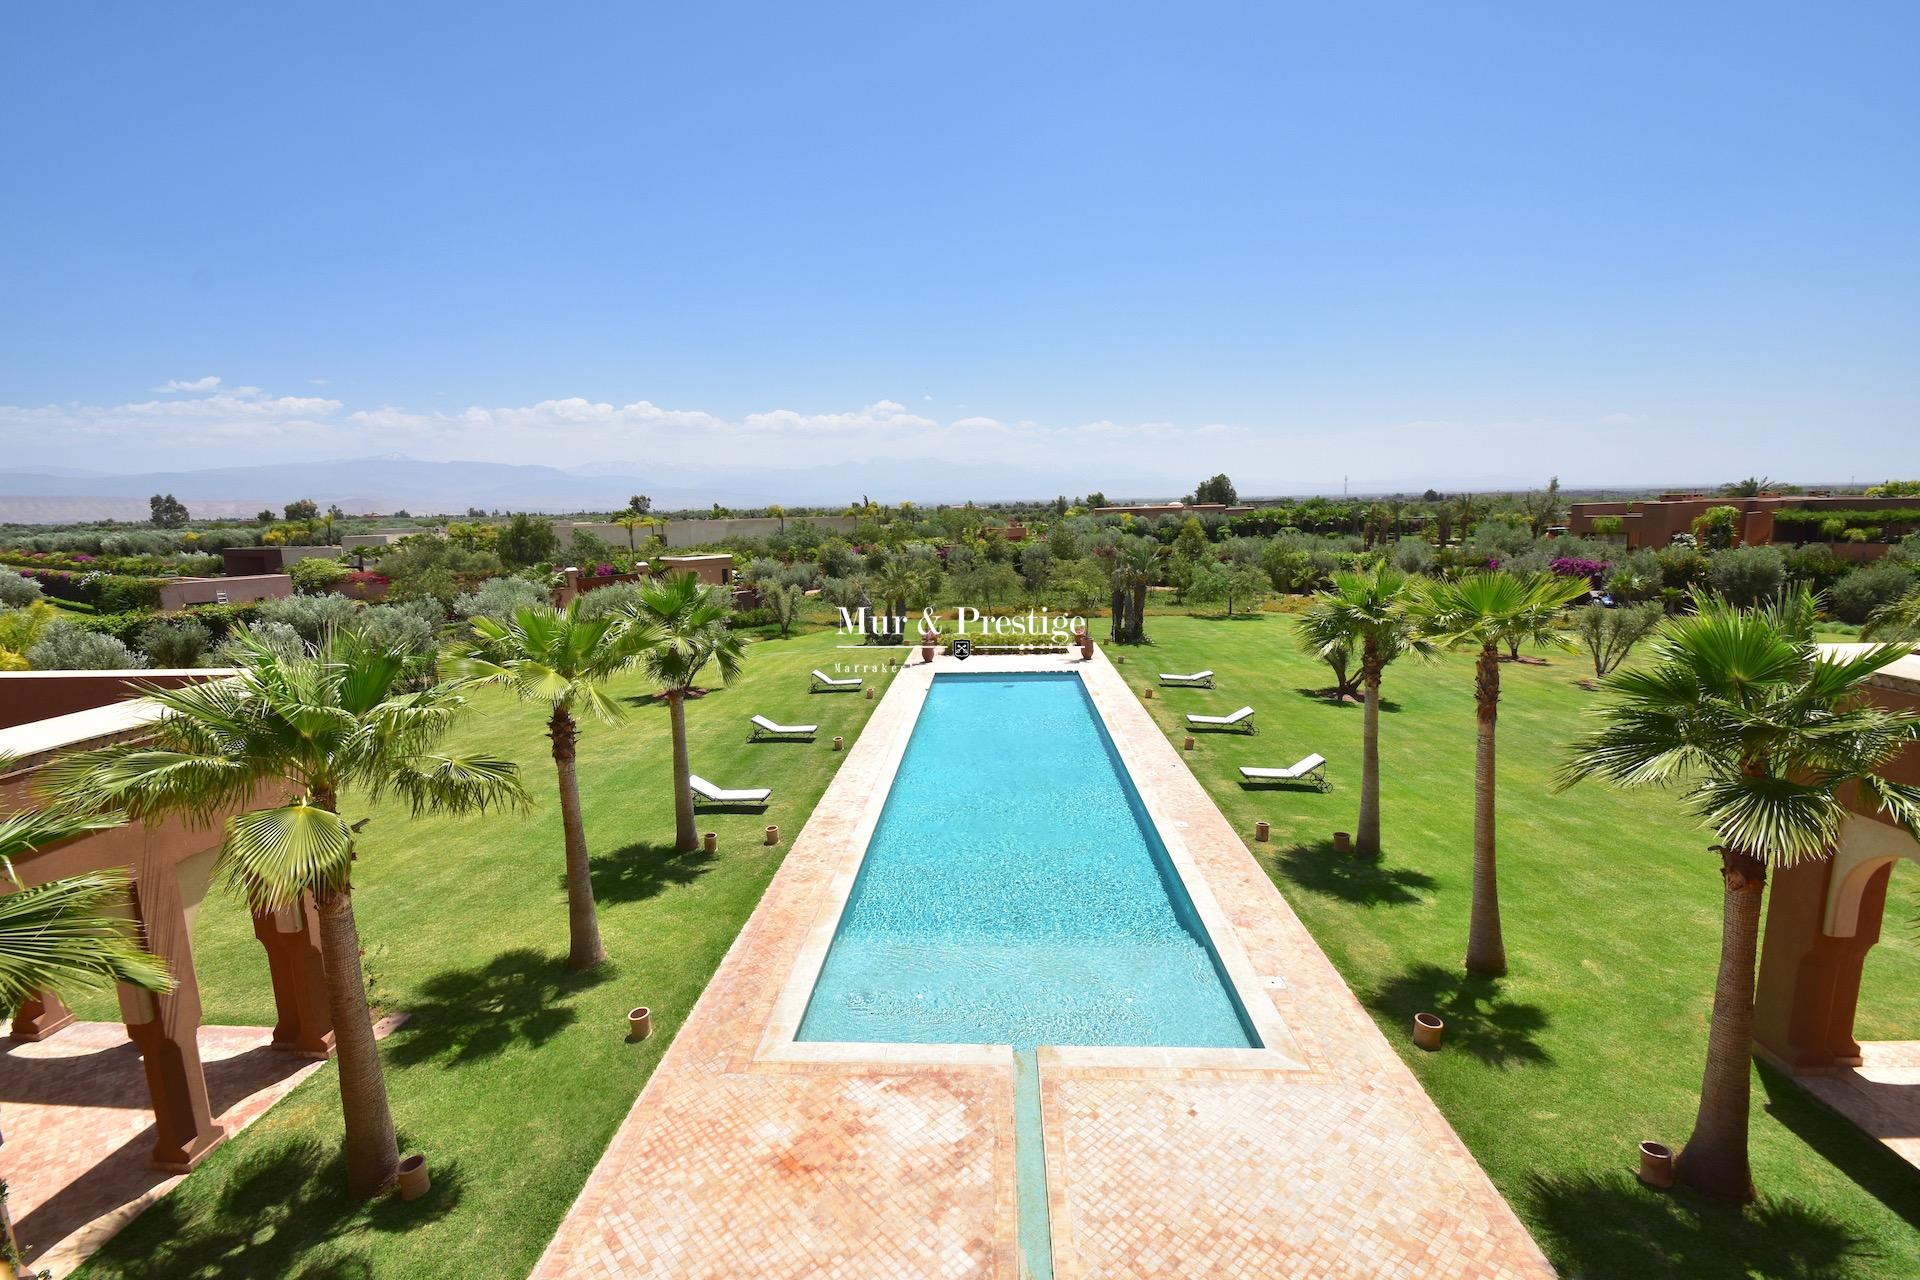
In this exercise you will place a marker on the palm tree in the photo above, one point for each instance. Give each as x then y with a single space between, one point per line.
1366 611
62 936
631 521
562 661
688 623
1764 733
1136 567
323 723
1896 620
1482 611
899 582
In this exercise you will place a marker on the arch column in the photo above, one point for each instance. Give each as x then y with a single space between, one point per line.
40 1015
291 938
165 1028
1809 987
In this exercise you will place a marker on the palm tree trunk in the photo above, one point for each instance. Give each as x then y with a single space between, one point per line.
583 921
1367 833
373 1153
1118 609
1486 953
1139 619
685 838
1715 1157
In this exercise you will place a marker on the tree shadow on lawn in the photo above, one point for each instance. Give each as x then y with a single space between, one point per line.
1837 1140
1497 1031
1326 694
283 1212
521 996
1610 1225
1366 882
641 871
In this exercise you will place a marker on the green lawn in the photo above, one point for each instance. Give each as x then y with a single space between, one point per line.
512 1073
1611 910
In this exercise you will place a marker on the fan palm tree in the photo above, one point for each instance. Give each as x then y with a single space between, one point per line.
1137 565
1764 733
1483 611
322 723
1366 611
61 936
1896 620
562 661
688 625
630 522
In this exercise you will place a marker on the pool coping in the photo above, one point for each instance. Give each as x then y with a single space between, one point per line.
778 1043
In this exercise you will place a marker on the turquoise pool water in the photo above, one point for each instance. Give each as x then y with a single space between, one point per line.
1015 892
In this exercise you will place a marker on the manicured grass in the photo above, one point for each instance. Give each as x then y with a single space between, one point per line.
1611 907
512 1073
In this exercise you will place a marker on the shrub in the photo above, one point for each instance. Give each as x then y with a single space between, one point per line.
1608 526
1682 566
501 598
317 575
175 644
1610 634
398 627
1747 576
1716 526
1855 597
609 600
311 616
17 590
65 647
19 628
1579 567
1814 564
277 636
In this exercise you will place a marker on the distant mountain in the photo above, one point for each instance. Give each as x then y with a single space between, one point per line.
362 485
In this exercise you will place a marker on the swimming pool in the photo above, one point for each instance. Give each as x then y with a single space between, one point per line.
1015 892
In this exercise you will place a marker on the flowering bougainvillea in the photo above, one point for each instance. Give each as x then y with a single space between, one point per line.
1580 567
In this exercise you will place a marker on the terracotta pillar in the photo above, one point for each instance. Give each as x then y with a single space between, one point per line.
39 1016
1809 986
164 1027
292 942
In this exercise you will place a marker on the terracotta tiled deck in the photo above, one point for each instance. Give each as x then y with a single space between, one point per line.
750 1155
1881 1095
80 1135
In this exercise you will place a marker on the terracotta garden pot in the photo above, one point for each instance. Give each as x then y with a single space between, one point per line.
413 1177
1656 1165
1342 842
712 842
639 1023
1147 693
869 695
838 743
773 834
1426 1031
1188 744
1261 832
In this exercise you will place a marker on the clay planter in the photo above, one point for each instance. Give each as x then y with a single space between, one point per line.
1342 842
773 834
413 1177
639 1023
838 743
927 645
1261 832
869 695
1188 744
1426 1031
1147 693
712 842
1656 1165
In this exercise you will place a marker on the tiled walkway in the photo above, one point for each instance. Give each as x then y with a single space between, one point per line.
744 1158
1881 1095
79 1134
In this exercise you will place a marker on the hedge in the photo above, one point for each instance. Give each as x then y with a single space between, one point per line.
126 625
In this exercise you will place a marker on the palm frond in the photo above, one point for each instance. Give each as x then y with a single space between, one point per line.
271 856
63 936
459 784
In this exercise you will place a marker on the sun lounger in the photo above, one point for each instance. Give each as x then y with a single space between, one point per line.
1312 770
1192 680
1241 718
765 728
705 793
821 680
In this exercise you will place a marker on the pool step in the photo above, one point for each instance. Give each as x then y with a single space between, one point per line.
1030 1168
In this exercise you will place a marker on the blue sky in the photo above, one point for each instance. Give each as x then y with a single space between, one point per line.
1406 243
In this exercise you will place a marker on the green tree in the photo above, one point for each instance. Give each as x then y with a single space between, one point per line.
316 575
301 512
688 626
168 512
784 600
526 540
1763 735
1482 612
1896 620
1365 612
319 725
1137 567
1217 489
562 661
1610 634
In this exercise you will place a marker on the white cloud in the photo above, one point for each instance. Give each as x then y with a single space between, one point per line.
180 384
